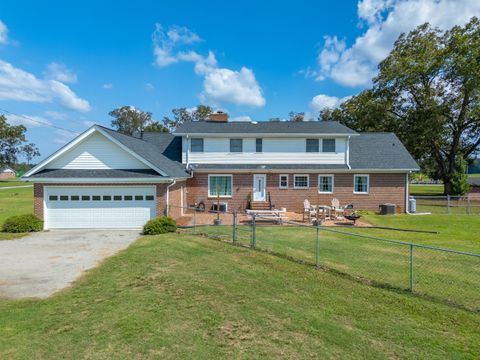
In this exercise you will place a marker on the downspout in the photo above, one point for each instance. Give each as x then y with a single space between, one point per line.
187 150
347 153
168 195
407 193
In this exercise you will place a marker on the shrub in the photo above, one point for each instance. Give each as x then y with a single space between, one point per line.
22 223
160 225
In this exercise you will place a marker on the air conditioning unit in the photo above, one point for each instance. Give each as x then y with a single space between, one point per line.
221 207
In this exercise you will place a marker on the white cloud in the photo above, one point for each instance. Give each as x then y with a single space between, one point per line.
384 21
149 87
19 85
28 120
60 72
107 86
220 85
243 118
322 101
62 136
3 33
55 115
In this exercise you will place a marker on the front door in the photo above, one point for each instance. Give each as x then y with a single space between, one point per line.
259 187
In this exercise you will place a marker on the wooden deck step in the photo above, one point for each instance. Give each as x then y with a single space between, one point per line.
260 205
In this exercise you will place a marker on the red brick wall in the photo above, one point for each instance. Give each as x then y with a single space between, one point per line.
175 194
7 175
383 188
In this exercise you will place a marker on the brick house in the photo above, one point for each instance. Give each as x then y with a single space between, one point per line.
7 173
105 179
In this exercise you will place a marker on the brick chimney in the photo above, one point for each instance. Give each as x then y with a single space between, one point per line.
218 116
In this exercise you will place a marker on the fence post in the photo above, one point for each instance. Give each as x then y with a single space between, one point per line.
234 235
411 267
194 221
254 235
448 204
468 205
317 248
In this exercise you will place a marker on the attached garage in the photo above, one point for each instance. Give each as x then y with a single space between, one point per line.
98 207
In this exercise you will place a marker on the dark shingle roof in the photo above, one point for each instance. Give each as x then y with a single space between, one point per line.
99 173
264 127
380 151
160 149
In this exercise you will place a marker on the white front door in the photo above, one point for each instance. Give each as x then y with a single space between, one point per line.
259 187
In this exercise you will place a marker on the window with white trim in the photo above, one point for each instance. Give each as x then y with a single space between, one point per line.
328 145
300 181
312 145
283 181
360 184
220 185
258 145
325 184
236 145
196 145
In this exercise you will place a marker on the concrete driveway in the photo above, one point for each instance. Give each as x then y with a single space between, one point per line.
42 263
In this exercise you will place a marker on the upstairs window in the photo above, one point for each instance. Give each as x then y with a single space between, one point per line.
258 145
236 145
328 145
196 144
312 145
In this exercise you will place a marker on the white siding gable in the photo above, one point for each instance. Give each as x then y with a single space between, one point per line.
96 152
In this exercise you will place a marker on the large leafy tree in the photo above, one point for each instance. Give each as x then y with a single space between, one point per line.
130 120
183 115
428 92
11 139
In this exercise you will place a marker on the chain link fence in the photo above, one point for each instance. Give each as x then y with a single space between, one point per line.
441 274
455 205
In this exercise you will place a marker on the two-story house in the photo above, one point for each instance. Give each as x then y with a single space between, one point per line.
110 180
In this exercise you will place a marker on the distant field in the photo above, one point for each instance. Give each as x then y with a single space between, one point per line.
426 190
13 182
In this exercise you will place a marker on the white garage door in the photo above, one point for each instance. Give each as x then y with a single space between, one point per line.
99 207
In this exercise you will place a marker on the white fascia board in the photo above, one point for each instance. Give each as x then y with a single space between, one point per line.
263 135
59 152
308 171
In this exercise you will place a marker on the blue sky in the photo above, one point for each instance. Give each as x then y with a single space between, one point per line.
68 65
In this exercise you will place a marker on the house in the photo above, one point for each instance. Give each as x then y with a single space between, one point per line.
105 179
7 173
474 192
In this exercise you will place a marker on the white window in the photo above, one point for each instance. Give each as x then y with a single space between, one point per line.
220 185
360 184
197 144
300 181
312 145
328 145
236 145
325 184
283 181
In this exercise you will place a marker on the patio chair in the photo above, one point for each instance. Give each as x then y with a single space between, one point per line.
308 210
338 210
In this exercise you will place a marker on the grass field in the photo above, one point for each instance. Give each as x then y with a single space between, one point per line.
426 190
14 202
179 296
13 182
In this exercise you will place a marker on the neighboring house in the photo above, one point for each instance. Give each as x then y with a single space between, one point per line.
474 192
7 173
104 179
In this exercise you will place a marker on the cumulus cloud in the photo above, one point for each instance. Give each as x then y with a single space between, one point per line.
19 85
55 115
384 21
60 72
107 86
27 120
220 85
322 101
3 33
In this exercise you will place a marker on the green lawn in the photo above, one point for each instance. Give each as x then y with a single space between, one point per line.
13 182
426 190
179 296
14 202
444 276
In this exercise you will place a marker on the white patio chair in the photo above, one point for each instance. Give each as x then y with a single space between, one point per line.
338 210
308 210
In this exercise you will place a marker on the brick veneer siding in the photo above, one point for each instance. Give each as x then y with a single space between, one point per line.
383 188
161 189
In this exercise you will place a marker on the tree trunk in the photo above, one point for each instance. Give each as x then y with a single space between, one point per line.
447 187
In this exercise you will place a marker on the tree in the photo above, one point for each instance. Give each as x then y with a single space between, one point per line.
296 116
31 152
427 91
11 139
129 120
183 115
155 126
